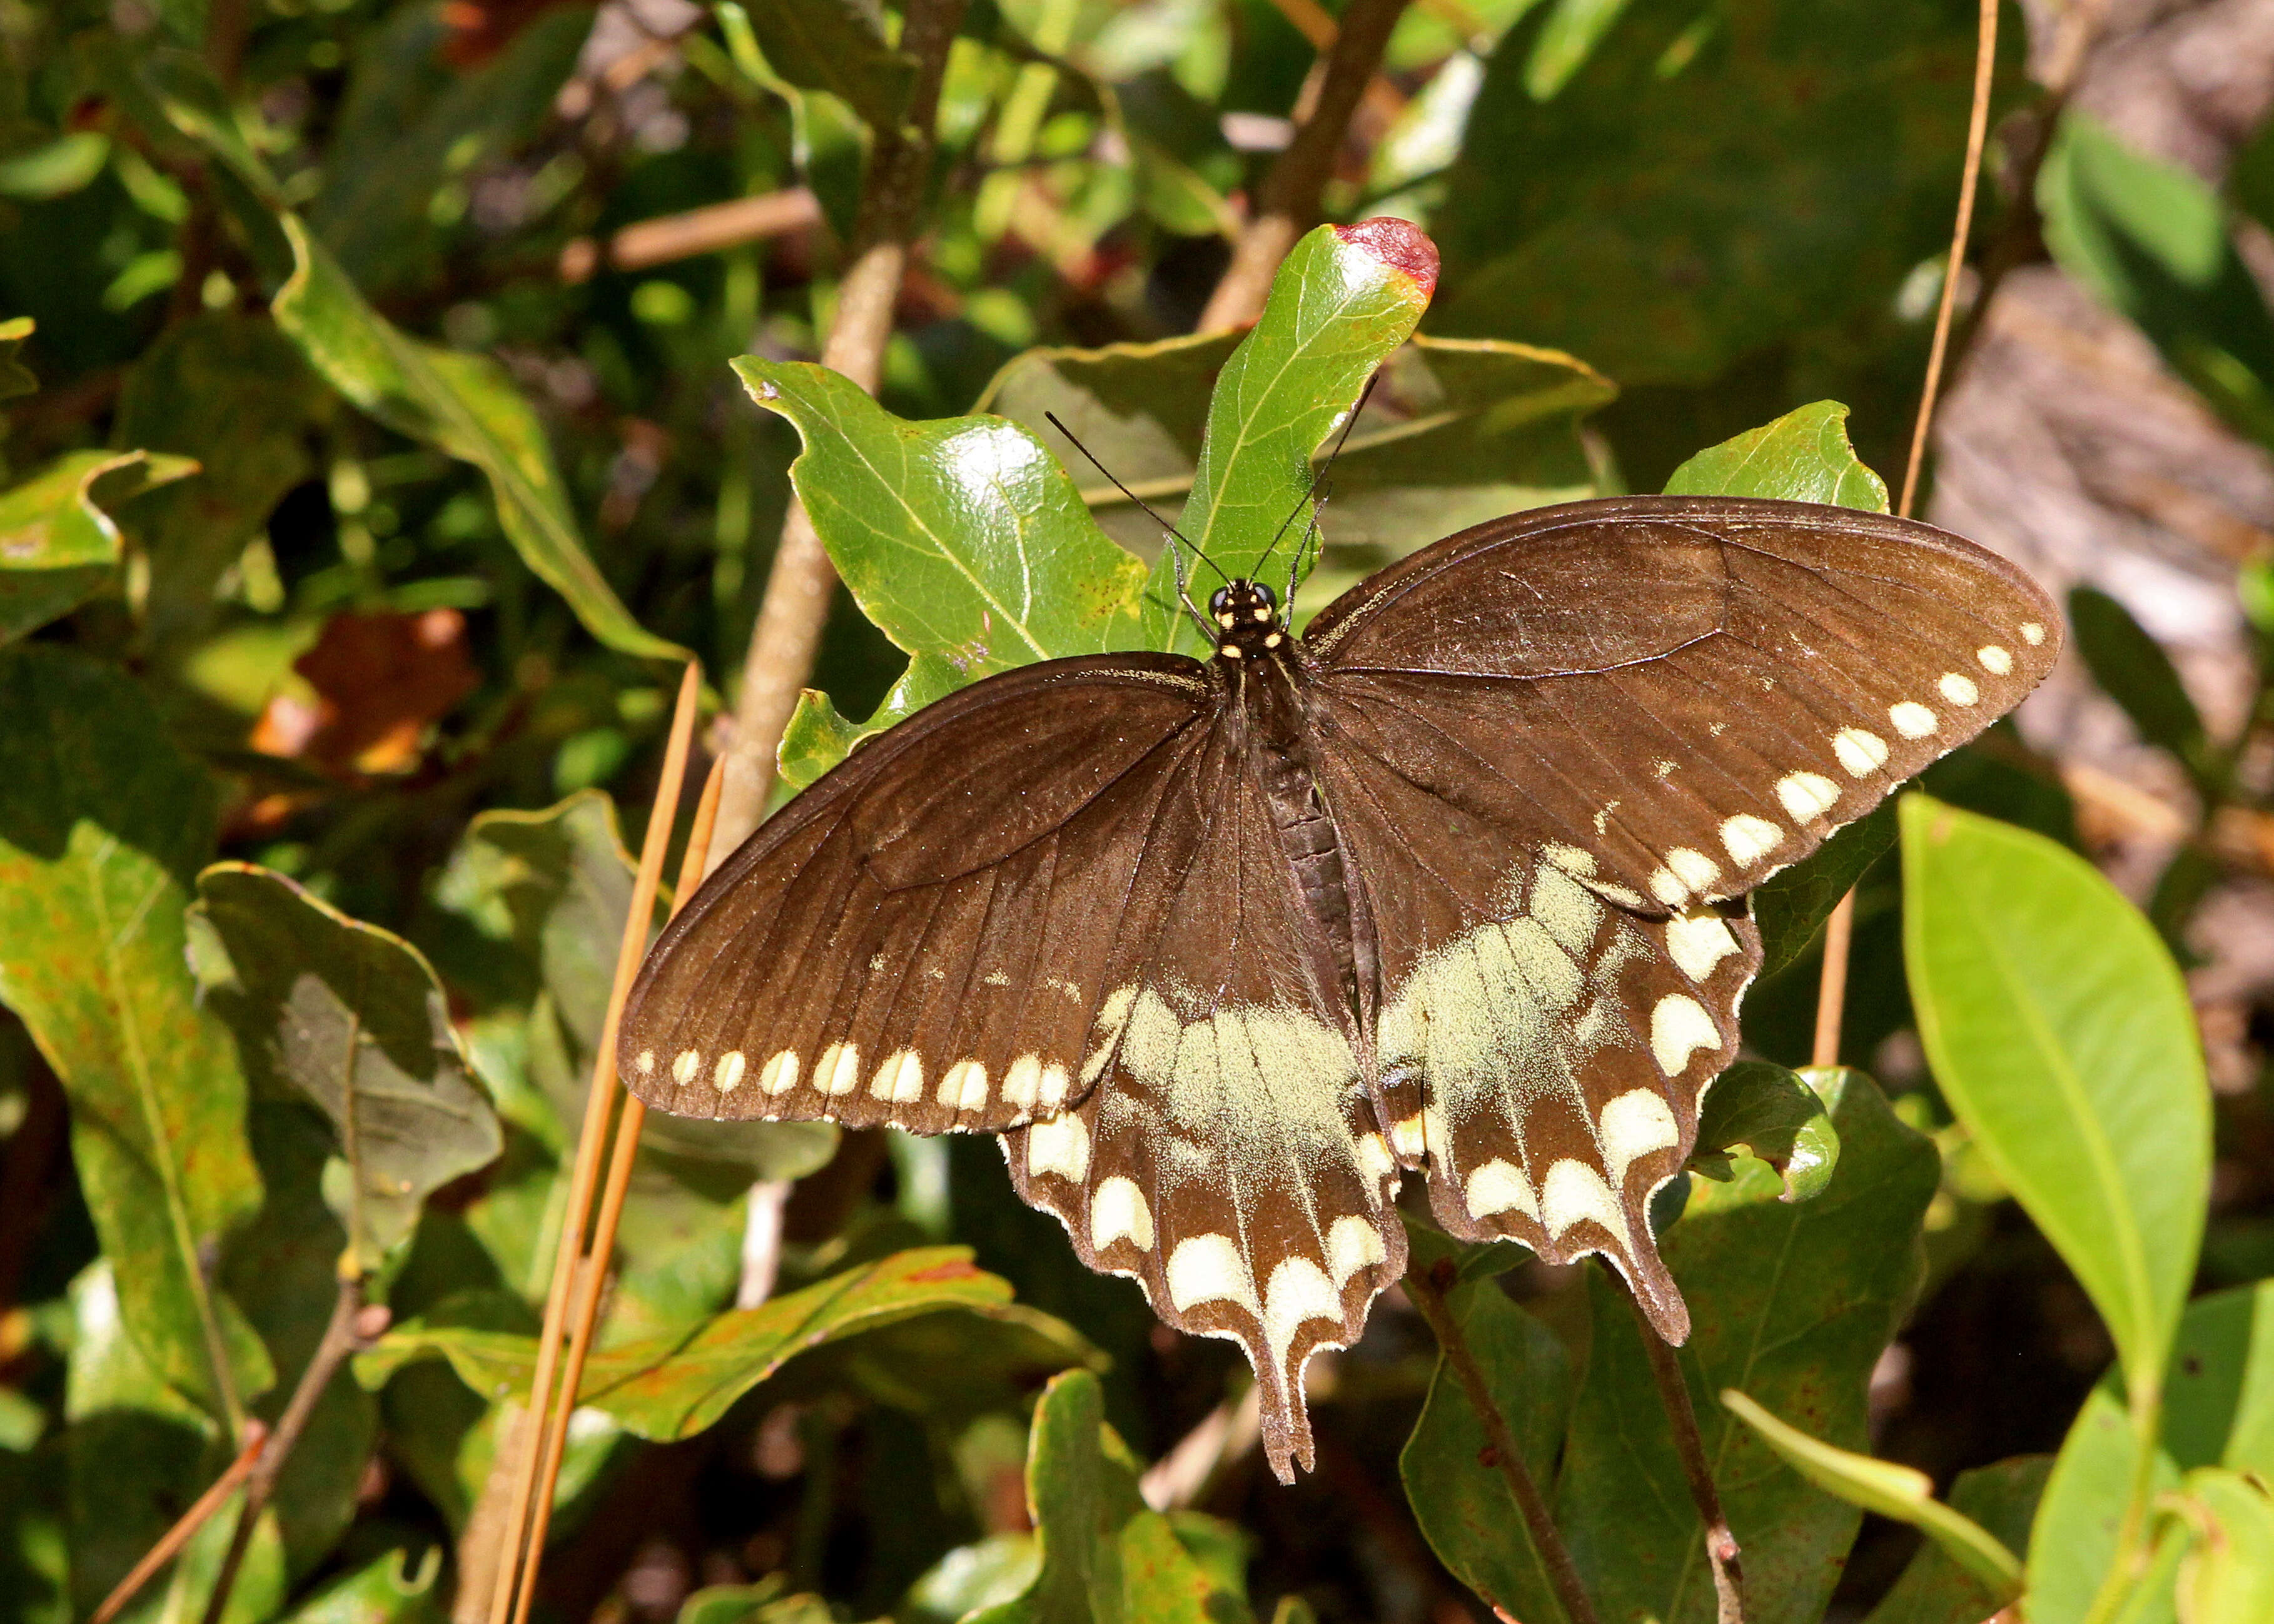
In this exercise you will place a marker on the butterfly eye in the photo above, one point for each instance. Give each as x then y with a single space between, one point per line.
1219 599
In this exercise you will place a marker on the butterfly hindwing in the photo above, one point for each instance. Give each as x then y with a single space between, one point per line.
922 938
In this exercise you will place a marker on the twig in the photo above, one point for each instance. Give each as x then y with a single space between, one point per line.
798 588
1289 198
1831 986
349 1328
699 231
1314 22
1427 1294
1690 1443
599 1102
185 1529
594 1273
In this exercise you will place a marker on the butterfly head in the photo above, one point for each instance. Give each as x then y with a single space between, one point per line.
1243 617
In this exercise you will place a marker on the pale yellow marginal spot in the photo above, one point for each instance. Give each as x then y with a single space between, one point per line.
1635 1124
996 978
1118 1212
1748 839
1023 1085
1500 1186
646 1062
1997 661
1667 886
1958 689
1679 1027
1697 942
2032 632
1913 719
1695 869
1571 859
1208 1268
1352 1243
1862 752
1298 1290
1662 768
779 1075
1060 1146
1407 1137
727 1076
1807 794
683 1069
1373 1158
1052 1091
837 1071
964 1085
1575 1191
899 1079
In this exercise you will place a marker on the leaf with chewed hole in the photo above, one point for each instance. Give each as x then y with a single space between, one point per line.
58 545
1777 1115
1804 456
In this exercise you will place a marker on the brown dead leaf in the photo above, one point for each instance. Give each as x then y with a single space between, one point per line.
380 682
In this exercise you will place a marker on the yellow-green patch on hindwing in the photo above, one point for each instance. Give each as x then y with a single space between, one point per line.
1561 1052
1228 1162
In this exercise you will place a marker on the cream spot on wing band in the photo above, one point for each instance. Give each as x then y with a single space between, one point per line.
1208 1268
1373 1158
1806 795
1118 1212
2032 632
1913 719
727 1074
1997 661
1862 752
1060 1146
1634 1125
964 1087
899 1079
1051 1092
1571 859
1958 688
683 1069
646 1062
1298 1290
1694 870
1576 1192
1352 1243
1408 1137
779 1075
1679 1027
837 1071
1667 886
1698 942
1022 1085
1748 839
1500 1186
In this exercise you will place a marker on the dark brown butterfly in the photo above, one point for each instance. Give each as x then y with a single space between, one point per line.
1454 881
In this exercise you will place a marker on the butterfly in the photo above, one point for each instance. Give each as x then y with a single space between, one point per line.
1453 883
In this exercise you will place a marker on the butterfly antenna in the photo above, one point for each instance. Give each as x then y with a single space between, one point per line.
1168 531
1311 498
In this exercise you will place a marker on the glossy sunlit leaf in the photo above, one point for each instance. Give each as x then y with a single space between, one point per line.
1778 1116
1804 456
103 823
1891 1490
1079 1496
352 1017
675 1389
1933 1589
397 1588
1792 1303
2074 1541
2134 671
2060 1033
1452 1480
58 546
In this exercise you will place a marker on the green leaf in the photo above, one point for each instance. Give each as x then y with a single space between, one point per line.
1454 1485
2218 1399
1565 40
57 169
352 1017
1792 1303
1894 1491
1777 1115
1793 905
102 823
2134 671
997 1569
463 405
16 377
58 547
2227 1576
2153 242
2074 1541
1079 1498
1343 299
1675 208
392 1588
677 1388
231 392
1935 1590
2060 1033
838 46
1804 456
